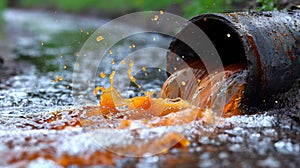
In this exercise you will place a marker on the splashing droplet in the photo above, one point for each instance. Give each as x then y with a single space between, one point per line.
100 38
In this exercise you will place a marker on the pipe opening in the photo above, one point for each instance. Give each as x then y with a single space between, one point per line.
225 39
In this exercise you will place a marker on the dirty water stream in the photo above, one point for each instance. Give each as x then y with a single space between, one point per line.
39 50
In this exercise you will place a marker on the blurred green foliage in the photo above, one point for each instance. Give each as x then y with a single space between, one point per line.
103 5
3 4
266 5
190 7
197 7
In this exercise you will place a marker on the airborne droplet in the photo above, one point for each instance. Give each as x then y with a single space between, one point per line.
100 38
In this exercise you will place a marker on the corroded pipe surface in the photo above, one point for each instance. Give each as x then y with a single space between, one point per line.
268 42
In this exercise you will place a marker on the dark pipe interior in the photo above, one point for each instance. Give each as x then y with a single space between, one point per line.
225 39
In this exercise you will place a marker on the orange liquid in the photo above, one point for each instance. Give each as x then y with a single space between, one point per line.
176 98
139 108
203 89
179 103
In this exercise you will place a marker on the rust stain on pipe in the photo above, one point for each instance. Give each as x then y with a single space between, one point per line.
259 65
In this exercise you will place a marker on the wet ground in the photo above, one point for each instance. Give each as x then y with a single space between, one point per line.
36 79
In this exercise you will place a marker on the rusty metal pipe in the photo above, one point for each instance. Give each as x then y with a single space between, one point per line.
268 42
